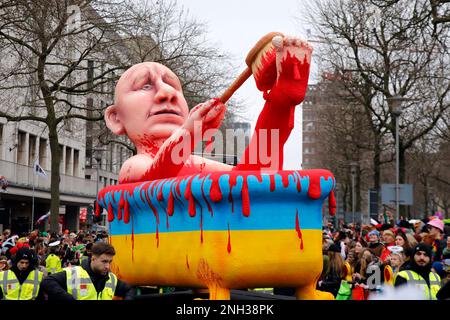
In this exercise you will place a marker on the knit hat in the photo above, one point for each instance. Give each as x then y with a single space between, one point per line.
422 247
385 226
437 223
404 224
334 248
439 267
375 232
25 253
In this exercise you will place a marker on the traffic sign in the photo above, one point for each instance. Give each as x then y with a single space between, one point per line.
405 195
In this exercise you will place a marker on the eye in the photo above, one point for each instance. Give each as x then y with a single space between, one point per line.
147 86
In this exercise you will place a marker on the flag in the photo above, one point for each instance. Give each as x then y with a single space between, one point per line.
42 218
38 169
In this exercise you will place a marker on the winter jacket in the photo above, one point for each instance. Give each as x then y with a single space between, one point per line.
55 285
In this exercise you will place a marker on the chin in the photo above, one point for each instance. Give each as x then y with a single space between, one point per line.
163 130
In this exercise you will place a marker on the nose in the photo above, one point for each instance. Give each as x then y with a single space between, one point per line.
165 93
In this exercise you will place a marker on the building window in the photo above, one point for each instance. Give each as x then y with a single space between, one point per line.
61 160
68 161
309 126
21 148
76 162
31 149
43 153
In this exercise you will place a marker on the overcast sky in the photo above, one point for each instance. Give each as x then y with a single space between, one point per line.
236 25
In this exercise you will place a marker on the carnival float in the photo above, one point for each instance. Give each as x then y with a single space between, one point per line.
209 226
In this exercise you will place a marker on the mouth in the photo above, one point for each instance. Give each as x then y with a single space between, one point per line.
165 112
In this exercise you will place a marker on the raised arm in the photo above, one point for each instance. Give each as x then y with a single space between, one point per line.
276 120
173 154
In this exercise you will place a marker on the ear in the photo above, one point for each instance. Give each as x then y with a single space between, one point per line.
113 121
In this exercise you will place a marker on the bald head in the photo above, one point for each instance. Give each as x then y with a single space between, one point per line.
149 103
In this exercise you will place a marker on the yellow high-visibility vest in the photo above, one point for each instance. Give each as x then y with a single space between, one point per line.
83 258
53 264
80 286
415 279
13 290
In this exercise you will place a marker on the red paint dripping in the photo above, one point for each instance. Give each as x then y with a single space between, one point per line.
258 177
160 196
285 179
215 194
245 198
299 186
314 190
157 237
201 227
296 71
299 231
332 204
229 239
177 188
272 182
167 221
232 183
187 262
121 205
188 195
126 212
110 213
170 207
155 212
132 241
205 199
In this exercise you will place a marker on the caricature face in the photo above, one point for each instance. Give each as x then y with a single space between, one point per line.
150 102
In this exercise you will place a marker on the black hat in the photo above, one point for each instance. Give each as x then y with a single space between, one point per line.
385 226
422 247
334 248
25 254
404 224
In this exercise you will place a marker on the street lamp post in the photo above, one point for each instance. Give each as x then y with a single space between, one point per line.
397 111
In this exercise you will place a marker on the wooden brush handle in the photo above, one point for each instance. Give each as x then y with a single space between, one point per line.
250 60
235 85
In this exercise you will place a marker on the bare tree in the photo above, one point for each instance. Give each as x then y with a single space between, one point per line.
389 51
51 45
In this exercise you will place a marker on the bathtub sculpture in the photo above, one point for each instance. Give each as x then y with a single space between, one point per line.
221 230
205 224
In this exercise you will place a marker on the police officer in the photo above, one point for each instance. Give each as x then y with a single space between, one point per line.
93 280
419 272
22 281
53 261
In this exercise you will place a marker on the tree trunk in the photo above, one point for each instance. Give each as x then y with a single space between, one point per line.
55 178
377 170
358 191
425 196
